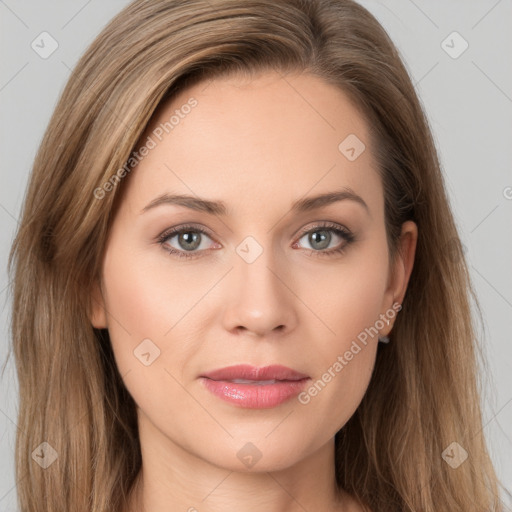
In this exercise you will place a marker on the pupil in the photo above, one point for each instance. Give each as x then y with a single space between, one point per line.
322 240
189 240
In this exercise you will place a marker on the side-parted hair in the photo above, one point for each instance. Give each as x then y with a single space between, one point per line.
425 390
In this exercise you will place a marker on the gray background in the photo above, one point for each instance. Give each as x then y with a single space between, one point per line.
468 100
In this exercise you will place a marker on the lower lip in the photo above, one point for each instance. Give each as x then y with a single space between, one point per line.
253 396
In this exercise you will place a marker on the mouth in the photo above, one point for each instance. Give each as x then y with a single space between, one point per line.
255 382
251 387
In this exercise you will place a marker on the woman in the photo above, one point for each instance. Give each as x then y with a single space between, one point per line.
237 279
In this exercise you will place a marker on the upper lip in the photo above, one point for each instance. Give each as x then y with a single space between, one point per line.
249 372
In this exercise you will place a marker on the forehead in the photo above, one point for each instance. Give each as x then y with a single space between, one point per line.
254 141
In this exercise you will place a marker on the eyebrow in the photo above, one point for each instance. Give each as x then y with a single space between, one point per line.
219 208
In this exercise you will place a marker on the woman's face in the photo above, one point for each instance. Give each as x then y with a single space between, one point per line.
263 272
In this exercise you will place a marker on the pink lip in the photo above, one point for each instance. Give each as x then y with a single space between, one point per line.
252 395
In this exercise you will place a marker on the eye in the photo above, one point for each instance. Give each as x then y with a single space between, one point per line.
188 239
321 237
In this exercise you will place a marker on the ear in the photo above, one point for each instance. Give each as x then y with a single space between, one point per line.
401 270
98 311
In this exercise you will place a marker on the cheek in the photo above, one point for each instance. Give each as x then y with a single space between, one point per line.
133 303
145 295
155 316
140 310
347 297
348 302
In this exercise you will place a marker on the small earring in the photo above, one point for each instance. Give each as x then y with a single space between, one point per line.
383 339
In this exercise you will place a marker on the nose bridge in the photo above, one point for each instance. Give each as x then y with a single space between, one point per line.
261 301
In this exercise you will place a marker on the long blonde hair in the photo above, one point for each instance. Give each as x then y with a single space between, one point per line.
424 393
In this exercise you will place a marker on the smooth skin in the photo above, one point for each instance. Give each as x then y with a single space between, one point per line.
258 145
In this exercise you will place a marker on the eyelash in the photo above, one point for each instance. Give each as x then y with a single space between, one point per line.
326 226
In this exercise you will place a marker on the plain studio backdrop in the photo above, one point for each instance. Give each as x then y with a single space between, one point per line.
457 53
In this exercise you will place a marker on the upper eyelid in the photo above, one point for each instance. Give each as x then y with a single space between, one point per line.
328 225
179 229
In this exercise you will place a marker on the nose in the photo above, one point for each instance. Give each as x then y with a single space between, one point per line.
260 301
